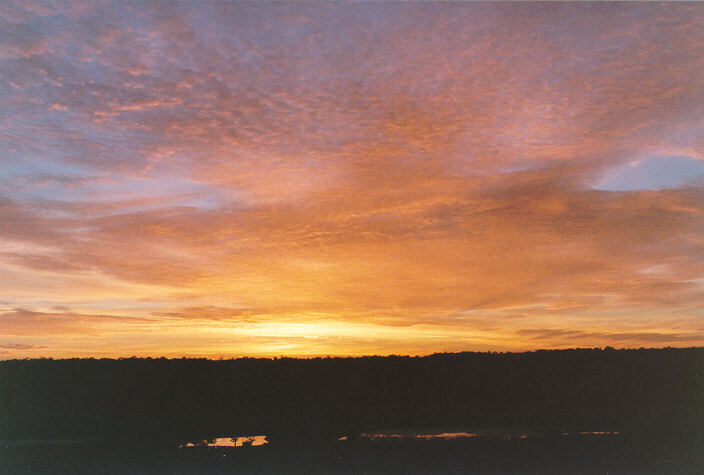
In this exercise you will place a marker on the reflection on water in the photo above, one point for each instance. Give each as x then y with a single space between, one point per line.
450 434
246 441
512 433
442 435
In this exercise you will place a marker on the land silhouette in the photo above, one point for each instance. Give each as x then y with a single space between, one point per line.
583 409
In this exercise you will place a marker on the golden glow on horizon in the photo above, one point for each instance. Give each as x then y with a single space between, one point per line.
289 179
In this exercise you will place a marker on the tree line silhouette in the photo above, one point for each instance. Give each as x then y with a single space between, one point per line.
655 393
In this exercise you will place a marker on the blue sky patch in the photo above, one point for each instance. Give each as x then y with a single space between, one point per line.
653 173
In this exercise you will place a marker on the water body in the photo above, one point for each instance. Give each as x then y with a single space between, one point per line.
379 435
512 433
242 441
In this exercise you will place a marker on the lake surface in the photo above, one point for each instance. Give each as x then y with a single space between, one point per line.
396 450
505 433
377 435
242 441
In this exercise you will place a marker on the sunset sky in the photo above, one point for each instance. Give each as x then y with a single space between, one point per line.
253 179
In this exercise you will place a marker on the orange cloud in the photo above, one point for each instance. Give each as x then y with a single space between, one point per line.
269 178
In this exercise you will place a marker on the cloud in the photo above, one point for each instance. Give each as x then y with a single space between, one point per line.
347 162
210 312
24 322
559 337
20 346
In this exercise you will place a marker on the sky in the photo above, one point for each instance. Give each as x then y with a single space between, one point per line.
226 179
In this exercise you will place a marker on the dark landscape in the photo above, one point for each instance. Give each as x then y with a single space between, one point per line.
583 410
214 213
